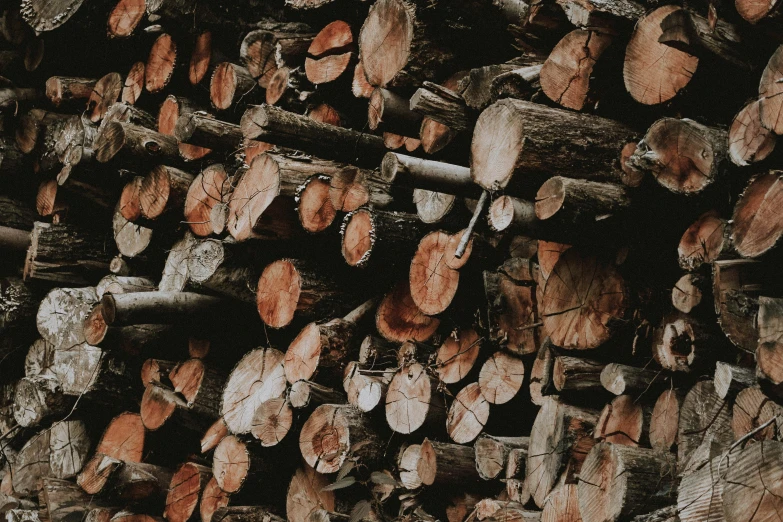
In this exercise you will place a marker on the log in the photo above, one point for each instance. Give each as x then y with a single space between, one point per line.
162 406
623 421
700 493
39 398
158 307
655 72
105 92
443 105
457 355
755 12
129 142
172 109
500 161
736 301
229 84
390 112
256 378
201 130
413 401
66 89
129 481
160 63
308 394
366 388
442 464
326 438
273 420
682 344
492 453
749 141
236 463
688 292
206 203
769 346
518 83
752 410
246 514
306 494
415 173
434 273
407 464
752 482
576 375
560 439
730 379
325 348
274 45
705 426
212 500
97 375
61 314
378 237
580 201
62 500
330 54
214 434
754 230
769 106
569 315
501 377
396 47
567 71
683 156
187 486
316 211
562 504
134 83
162 194
605 493
621 379
286 129
467 415
350 188
289 88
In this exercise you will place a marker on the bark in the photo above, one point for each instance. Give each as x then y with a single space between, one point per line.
736 303
442 105
621 379
125 480
272 46
575 375
63 500
581 201
587 13
500 161
43 16
158 307
375 238
204 131
414 173
646 482
287 129
769 346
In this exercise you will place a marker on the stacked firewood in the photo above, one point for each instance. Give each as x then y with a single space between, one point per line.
391 260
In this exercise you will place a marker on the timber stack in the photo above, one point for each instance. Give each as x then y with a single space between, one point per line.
391 261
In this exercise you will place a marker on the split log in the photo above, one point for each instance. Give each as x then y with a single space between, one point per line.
492 454
201 130
583 302
327 438
752 483
236 463
567 71
756 228
257 377
442 464
160 63
749 141
187 487
325 347
575 375
379 237
623 421
683 156
705 426
286 129
560 439
390 112
158 307
272 46
206 203
273 420
501 377
655 72
66 89
752 409
621 379
515 141
606 493
133 143
413 401
230 83
396 49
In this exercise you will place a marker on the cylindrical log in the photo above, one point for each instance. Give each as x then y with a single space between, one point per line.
467 415
65 89
621 379
214 434
391 112
162 406
492 453
749 141
38 398
578 200
61 314
206 203
186 489
410 172
399 319
287 129
412 400
704 241
134 143
236 463
273 419
624 421
577 375
751 236
105 92
737 305
134 83
683 344
442 105
380 236
230 82
274 45
306 494
619 481
687 292
204 131
514 141
212 499
172 109
442 464
457 355
730 379
158 307
752 409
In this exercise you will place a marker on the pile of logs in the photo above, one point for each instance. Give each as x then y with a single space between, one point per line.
391 261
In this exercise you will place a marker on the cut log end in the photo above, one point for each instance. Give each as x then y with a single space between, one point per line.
231 464
749 141
278 293
272 421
